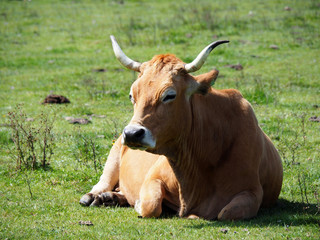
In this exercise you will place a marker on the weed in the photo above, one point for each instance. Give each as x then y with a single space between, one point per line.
88 150
128 28
34 143
114 128
93 88
97 88
27 178
303 132
288 147
260 93
303 188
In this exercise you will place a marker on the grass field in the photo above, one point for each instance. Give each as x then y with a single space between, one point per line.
61 47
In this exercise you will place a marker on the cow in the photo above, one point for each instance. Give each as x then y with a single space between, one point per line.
193 148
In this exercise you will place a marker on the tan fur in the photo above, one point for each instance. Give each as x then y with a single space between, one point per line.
214 162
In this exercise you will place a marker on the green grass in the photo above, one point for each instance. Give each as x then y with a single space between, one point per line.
54 46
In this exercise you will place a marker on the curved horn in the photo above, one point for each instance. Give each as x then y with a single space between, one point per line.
123 59
197 63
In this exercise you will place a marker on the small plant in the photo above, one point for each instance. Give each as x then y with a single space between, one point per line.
303 132
129 28
114 128
260 93
88 150
97 88
33 139
91 86
303 188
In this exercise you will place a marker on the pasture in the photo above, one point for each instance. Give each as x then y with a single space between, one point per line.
63 47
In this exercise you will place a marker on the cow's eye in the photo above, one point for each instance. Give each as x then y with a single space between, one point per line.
169 96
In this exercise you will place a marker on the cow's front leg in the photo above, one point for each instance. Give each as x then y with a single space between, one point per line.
109 178
151 196
244 205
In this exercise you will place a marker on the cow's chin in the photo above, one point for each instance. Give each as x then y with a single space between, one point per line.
139 146
150 149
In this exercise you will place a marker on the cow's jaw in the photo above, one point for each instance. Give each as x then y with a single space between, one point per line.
138 137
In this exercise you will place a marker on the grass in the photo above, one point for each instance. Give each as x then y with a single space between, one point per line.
57 46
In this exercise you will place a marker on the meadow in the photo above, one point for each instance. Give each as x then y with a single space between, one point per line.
63 47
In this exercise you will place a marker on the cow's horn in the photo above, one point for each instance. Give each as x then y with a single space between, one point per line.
123 59
197 63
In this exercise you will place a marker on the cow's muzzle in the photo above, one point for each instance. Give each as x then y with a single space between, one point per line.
137 137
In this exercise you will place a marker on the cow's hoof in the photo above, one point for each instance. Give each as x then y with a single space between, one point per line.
97 202
86 199
109 199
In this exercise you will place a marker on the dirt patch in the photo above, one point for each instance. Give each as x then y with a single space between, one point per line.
82 121
55 99
274 47
99 70
314 119
237 67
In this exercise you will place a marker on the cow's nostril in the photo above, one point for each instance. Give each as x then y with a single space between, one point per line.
139 133
133 134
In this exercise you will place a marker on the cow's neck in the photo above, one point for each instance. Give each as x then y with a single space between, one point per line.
193 160
191 185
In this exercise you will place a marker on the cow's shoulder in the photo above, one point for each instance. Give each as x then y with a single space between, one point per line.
238 105
233 94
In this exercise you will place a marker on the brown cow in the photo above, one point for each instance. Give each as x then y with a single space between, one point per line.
214 160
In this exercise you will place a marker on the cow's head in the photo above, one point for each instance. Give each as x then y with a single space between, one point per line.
161 98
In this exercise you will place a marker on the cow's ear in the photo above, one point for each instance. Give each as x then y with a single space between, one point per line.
205 81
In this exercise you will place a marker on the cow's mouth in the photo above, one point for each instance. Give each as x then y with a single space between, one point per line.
136 146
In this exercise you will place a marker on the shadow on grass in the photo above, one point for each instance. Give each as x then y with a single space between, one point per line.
284 213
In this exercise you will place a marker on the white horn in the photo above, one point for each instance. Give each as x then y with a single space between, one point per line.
123 59
197 63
